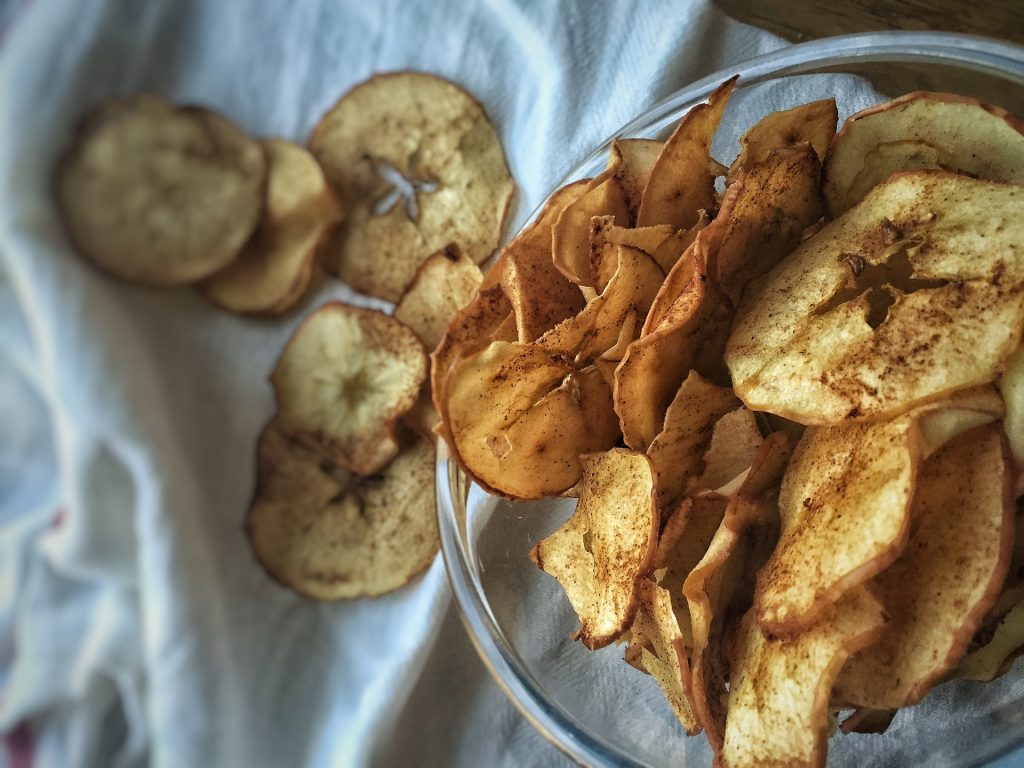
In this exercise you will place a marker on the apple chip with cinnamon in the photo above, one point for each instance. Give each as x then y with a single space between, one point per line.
419 137
603 550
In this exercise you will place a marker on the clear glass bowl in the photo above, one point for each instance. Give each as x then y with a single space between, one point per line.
593 706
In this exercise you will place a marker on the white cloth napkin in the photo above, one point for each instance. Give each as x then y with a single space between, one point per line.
135 626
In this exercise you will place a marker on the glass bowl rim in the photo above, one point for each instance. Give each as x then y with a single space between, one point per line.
552 721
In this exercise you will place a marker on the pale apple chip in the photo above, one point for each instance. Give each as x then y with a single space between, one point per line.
735 442
344 380
677 452
570 235
445 283
631 162
681 182
332 535
845 504
160 195
720 587
273 270
419 132
540 295
813 123
423 418
922 131
604 550
947 577
658 642
779 690
519 417
912 294
864 720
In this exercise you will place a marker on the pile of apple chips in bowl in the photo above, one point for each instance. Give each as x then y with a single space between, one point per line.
790 405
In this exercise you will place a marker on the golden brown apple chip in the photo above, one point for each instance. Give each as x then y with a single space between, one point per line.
631 162
1011 387
937 131
445 283
160 195
658 642
541 296
677 452
995 656
332 535
735 442
519 417
903 299
813 123
345 378
777 198
273 270
962 514
570 235
779 690
682 180
719 587
418 131
845 506
605 235
469 331
603 551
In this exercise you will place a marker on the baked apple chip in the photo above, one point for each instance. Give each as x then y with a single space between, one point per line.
274 268
332 535
845 506
631 162
905 298
603 551
922 131
519 417
677 452
570 235
160 195
417 133
445 283
658 645
813 123
779 691
681 182
345 378
947 576
540 295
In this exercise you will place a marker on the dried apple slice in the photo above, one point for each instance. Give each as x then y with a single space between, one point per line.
992 659
1011 387
605 235
658 641
906 297
677 452
602 552
445 283
845 506
814 123
331 535
540 295
922 131
419 131
469 331
273 270
519 417
779 691
681 182
570 235
160 195
735 442
631 162
962 514
345 378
